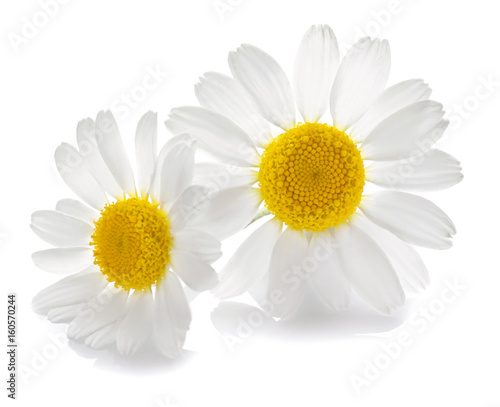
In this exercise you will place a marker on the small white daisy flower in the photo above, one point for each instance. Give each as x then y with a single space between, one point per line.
126 249
311 176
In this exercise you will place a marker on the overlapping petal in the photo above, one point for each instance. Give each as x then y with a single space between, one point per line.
266 83
360 79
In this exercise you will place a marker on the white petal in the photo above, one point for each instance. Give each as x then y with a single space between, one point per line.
164 332
171 316
229 211
224 95
61 230
103 337
76 175
249 262
412 129
203 245
95 318
136 326
391 100
368 269
65 260
180 314
75 208
113 151
146 150
360 79
315 68
70 290
287 277
266 83
181 139
215 133
64 314
409 267
216 176
195 273
191 204
176 172
328 278
429 171
89 150
410 217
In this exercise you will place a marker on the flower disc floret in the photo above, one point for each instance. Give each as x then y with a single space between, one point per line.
132 243
312 177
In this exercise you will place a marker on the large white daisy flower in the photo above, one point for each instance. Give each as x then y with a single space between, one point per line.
311 176
127 249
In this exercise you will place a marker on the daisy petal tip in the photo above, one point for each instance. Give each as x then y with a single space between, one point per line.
59 148
223 290
387 311
219 293
104 118
126 349
341 306
108 114
85 124
91 342
36 255
446 242
364 42
214 282
390 309
198 86
245 47
169 353
36 231
231 57
324 29
285 313
36 305
74 332
338 307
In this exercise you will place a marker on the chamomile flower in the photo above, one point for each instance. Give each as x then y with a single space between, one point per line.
125 249
312 176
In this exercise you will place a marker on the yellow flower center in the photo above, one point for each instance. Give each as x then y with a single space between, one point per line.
312 177
132 243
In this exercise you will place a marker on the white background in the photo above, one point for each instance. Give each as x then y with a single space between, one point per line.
90 53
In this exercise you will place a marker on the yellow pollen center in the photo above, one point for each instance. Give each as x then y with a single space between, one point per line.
132 243
312 177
